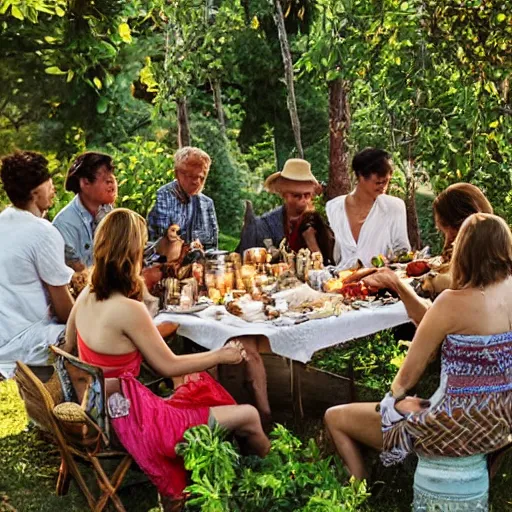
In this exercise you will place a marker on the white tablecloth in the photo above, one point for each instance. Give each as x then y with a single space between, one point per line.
212 327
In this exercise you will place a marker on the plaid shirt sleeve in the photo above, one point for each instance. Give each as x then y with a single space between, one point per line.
159 218
214 227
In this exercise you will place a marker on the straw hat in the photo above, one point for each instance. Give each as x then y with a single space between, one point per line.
296 176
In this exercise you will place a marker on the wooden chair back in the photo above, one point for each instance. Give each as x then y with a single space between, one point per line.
38 400
84 384
87 440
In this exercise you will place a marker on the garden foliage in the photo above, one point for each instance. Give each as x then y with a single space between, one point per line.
293 476
430 81
373 359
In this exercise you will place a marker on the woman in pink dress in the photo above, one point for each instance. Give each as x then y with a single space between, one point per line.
113 330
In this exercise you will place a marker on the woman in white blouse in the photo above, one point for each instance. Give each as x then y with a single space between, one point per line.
367 222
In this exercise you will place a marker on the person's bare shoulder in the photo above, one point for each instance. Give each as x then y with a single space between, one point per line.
453 299
124 304
128 311
458 308
446 303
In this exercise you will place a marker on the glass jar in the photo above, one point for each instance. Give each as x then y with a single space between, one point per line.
220 275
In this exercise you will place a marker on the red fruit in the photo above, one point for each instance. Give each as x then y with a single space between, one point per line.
417 268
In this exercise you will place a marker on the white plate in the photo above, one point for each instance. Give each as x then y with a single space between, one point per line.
188 311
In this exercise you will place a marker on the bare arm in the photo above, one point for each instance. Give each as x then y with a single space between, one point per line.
139 328
70 344
309 236
61 301
386 278
416 307
434 327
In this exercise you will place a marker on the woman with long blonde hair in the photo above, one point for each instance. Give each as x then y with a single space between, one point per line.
113 330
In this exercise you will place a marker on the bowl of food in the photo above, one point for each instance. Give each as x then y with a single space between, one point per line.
255 256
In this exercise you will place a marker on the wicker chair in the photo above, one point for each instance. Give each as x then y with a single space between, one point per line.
75 432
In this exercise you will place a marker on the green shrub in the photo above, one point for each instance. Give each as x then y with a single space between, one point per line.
291 477
429 234
142 167
261 160
374 360
226 177
227 243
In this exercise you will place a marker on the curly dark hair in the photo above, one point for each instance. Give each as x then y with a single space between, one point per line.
22 172
372 161
86 166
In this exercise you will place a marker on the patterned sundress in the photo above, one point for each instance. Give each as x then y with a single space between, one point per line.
470 413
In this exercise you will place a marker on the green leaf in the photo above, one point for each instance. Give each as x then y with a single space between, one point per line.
501 17
17 13
97 83
102 105
125 32
332 74
70 76
54 70
59 11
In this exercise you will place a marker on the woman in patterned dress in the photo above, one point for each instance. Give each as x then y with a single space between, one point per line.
471 411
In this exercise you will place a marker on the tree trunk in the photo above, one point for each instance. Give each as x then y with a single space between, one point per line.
288 74
183 127
217 98
413 228
339 124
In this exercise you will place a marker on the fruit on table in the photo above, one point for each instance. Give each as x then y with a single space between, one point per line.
405 257
354 291
417 268
378 261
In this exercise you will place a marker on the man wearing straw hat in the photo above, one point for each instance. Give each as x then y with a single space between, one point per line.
296 220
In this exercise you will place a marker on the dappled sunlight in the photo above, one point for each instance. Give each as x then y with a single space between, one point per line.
13 418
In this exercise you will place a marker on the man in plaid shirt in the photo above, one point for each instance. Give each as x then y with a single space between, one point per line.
181 201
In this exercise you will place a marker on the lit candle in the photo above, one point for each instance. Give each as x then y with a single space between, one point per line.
247 271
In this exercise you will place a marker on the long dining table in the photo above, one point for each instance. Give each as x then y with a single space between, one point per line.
214 326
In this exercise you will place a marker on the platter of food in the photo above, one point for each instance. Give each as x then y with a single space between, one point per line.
196 308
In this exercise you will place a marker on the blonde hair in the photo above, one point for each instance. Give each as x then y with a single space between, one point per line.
483 252
118 249
190 154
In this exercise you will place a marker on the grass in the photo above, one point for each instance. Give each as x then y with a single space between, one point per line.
29 467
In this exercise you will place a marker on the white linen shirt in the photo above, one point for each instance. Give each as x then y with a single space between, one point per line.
32 254
384 231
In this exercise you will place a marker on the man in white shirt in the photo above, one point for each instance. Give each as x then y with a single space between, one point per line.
367 222
34 297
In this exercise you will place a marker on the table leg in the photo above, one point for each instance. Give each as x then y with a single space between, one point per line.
296 389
